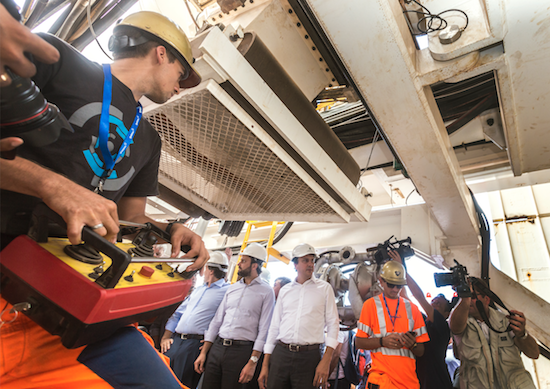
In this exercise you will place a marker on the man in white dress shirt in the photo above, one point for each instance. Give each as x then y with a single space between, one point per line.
304 308
236 336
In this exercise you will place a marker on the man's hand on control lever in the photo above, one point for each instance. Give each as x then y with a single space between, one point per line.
17 40
180 236
81 207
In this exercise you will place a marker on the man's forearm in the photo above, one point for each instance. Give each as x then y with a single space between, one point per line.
206 347
367 343
167 334
23 176
459 316
528 346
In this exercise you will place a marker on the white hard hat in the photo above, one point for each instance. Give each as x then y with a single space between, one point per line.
219 260
256 251
303 249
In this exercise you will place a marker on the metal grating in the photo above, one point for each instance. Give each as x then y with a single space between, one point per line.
215 159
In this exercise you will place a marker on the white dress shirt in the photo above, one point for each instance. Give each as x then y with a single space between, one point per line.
244 313
302 313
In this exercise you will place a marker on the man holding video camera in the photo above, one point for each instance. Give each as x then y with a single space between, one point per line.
489 353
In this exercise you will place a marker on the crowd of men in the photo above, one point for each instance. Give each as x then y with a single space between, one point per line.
296 342
236 336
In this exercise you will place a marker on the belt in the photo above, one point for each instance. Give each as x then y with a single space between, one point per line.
373 386
231 342
191 336
296 348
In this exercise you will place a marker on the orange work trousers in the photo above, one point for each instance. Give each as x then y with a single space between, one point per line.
32 358
382 380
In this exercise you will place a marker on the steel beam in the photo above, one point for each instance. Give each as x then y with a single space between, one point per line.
374 43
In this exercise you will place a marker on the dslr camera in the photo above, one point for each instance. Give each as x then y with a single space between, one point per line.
457 277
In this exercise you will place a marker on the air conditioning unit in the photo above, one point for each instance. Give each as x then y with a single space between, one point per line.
247 144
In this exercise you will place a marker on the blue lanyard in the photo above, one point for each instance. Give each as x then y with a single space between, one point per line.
104 129
394 317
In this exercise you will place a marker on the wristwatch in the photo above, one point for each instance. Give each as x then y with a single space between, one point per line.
254 359
169 226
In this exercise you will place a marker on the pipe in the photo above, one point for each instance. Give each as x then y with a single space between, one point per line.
39 7
107 18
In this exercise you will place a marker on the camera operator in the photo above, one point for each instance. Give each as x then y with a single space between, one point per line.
489 359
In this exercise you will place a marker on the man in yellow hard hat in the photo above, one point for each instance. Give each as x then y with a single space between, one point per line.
115 153
394 330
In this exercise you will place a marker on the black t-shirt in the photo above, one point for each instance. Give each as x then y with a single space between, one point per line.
75 85
431 368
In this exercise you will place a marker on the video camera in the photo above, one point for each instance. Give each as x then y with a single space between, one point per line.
458 278
401 246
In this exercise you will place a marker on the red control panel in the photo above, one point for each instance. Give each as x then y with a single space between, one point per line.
85 302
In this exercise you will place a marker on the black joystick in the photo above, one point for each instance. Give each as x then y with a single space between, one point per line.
84 253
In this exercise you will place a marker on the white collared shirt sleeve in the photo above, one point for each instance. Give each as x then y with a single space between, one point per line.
332 319
274 328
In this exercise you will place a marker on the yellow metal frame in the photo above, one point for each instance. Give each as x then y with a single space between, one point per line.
270 250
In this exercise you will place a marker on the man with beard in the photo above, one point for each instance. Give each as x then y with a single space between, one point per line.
304 309
236 336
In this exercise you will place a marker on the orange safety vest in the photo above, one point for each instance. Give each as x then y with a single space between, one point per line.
392 368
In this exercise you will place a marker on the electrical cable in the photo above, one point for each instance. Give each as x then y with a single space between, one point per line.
409 195
191 14
375 139
90 24
430 18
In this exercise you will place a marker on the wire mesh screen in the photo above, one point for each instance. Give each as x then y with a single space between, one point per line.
207 151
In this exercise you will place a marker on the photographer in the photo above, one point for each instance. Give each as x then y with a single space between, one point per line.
490 359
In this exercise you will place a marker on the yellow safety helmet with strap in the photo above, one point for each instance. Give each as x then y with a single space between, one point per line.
164 30
394 273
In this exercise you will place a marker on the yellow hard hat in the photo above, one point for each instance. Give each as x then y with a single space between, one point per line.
165 30
394 273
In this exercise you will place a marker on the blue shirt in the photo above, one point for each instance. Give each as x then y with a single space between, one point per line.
195 313
244 314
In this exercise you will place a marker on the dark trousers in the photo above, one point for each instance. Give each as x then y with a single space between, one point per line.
224 365
342 384
292 370
182 356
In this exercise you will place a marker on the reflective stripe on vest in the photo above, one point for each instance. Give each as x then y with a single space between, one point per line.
403 352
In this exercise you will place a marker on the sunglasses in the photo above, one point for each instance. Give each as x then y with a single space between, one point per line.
391 286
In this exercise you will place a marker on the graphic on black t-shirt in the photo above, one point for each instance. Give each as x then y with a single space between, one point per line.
93 153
